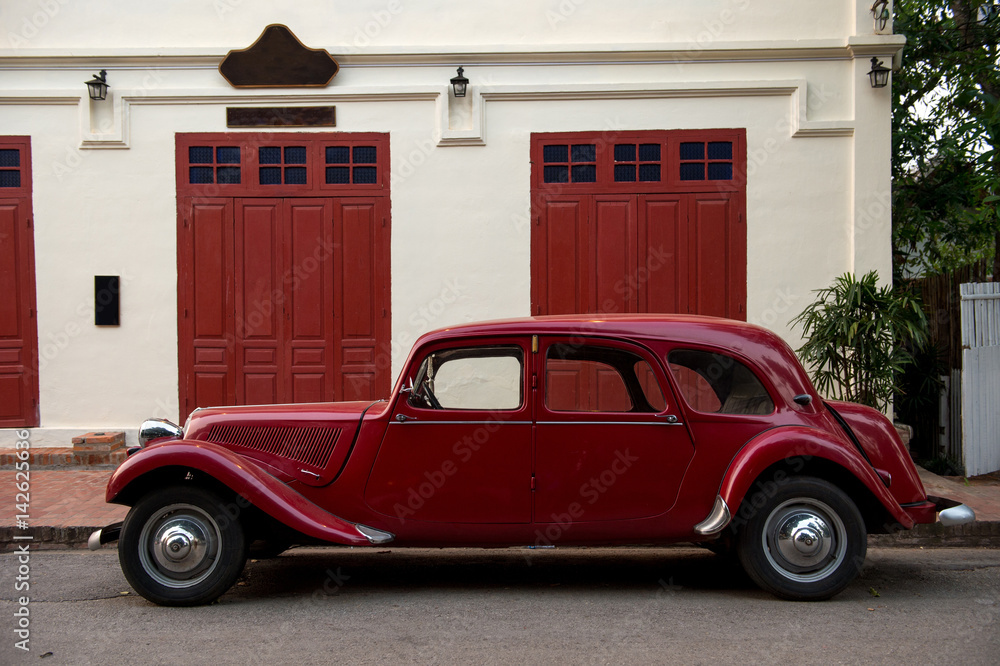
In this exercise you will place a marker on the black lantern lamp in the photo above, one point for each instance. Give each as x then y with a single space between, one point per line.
879 74
460 84
98 86
880 10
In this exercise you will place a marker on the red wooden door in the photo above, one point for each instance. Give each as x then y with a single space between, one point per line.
649 222
281 300
18 329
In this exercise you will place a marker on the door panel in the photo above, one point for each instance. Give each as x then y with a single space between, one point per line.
561 239
711 252
599 459
614 252
18 339
662 276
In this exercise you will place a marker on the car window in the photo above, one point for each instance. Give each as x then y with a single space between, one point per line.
717 383
485 378
593 378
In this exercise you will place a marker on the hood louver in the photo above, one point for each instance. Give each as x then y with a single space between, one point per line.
309 446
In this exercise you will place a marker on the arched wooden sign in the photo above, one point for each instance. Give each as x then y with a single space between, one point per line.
278 60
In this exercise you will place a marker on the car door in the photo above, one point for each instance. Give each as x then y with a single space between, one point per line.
610 442
458 446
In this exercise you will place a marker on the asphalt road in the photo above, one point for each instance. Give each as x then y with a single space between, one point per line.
510 606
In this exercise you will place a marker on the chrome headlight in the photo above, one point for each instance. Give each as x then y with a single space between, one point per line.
152 429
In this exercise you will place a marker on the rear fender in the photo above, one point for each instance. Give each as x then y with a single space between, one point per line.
791 449
240 475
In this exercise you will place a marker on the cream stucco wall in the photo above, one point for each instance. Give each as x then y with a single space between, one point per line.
792 73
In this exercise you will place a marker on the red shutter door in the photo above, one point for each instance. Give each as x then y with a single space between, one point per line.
362 281
560 243
207 342
259 301
613 255
661 278
18 337
718 257
308 284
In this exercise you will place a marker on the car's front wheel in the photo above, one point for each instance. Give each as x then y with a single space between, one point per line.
179 547
804 540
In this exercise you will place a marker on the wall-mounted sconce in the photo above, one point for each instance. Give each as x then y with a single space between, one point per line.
459 83
880 10
98 86
879 74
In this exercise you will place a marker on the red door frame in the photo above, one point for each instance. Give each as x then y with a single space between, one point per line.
219 366
588 195
19 360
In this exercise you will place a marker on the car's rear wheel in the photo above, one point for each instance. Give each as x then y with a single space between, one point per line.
806 541
178 547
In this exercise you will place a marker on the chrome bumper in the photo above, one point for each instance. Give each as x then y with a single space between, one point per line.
104 535
951 512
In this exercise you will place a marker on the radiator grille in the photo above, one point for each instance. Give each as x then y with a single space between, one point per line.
309 446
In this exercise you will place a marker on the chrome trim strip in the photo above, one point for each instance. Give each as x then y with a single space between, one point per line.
957 515
616 423
373 535
410 421
717 519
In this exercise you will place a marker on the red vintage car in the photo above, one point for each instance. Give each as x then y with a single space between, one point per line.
565 430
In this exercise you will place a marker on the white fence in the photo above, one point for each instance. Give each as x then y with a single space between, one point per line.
981 377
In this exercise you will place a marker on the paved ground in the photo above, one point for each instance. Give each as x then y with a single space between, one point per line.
679 605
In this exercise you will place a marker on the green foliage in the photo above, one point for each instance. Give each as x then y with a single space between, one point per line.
857 337
946 134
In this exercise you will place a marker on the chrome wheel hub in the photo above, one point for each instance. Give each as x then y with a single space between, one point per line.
180 545
804 540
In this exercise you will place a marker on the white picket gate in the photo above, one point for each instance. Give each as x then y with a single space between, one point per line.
981 377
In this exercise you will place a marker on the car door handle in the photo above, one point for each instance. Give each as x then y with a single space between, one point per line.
669 418
403 418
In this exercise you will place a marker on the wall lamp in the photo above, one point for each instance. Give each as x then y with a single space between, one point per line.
98 86
879 74
880 10
459 83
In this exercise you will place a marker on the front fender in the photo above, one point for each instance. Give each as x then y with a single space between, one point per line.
794 446
241 476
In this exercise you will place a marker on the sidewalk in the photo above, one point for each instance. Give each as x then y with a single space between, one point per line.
67 504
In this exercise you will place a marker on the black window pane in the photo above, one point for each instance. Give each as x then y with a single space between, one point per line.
295 154
365 175
624 173
270 155
228 175
10 157
12 178
556 174
693 151
295 175
338 175
200 155
720 150
584 173
649 152
584 153
227 155
270 175
649 173
692 172
720 171
365 155
338 155
201 175
625 152
555 154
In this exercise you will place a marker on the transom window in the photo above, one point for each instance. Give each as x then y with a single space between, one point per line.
592 378
706 160
570 163
351 164
10 167
637 162
718 384
480 378
214 164
283 165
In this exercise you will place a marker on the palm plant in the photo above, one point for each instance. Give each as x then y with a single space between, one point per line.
858 337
